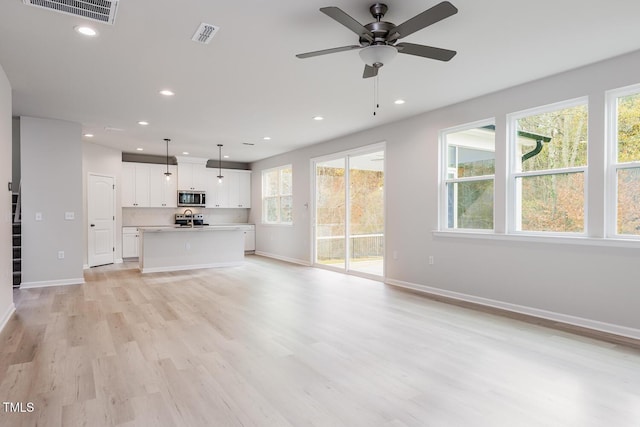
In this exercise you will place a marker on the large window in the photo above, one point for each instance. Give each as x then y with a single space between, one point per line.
468 176
277 199
624 106
548 168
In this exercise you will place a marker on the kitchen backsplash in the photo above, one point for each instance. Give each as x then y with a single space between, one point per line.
163 216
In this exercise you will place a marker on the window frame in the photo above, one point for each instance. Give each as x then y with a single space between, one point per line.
279 196
514 200
444 180
612 164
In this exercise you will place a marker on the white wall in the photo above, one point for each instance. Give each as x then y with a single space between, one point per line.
97 159
590 285
51 166
6 254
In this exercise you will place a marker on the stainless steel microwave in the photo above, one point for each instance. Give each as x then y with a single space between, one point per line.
192 198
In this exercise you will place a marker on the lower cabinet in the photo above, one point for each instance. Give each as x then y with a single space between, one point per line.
130 242
250 240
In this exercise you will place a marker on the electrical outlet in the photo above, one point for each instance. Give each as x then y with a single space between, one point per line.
60 254
38 216
430 259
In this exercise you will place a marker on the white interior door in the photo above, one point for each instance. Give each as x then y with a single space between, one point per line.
101 219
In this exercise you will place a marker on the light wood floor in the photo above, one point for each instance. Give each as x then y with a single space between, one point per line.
274 344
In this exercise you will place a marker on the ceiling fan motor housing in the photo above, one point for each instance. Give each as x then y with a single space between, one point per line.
380 30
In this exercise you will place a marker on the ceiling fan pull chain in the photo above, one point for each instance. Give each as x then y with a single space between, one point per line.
376 95
375 98
377 92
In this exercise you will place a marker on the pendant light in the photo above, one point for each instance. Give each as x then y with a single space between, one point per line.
220 164
167 174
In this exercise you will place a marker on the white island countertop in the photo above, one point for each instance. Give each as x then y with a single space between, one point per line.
160 228
173 248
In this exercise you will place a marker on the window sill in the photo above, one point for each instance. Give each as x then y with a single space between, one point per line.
554 239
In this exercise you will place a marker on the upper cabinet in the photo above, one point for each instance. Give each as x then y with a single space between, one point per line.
163 192
145 185
135 185
233 192
192 173
239 189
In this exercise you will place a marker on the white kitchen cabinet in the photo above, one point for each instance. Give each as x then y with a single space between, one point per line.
220 191
233 192
163 193
130 242
250 240
216 191
239 189
135 184
192 175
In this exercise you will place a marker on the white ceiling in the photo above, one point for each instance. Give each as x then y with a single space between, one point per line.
247 83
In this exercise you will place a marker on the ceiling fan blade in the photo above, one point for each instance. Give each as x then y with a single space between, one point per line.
339 15
327 51
370 71
426 51
428 17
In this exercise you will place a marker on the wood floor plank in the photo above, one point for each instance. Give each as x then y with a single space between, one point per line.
275 344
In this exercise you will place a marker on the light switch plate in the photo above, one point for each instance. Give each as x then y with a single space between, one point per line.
38 216
69 216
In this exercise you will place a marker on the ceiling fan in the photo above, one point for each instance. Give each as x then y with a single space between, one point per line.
377 43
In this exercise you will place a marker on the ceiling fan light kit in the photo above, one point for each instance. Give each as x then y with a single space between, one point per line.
378 54
377 40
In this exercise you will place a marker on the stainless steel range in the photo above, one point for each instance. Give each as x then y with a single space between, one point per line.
189 219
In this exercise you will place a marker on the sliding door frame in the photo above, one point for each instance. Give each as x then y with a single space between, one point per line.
380 146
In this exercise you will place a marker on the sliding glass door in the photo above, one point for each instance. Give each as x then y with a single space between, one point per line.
349 211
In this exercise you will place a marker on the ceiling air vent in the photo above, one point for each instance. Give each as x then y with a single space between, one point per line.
205 33
96 10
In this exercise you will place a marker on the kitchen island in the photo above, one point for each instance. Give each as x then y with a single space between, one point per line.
188 248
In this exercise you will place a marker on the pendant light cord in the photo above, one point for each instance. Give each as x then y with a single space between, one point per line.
220 163
167 141
167 173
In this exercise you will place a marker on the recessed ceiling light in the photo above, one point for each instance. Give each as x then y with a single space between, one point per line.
225 156
166 92
143 123
86 31
399 101
140 149
267 138
186 153
88 135
318 118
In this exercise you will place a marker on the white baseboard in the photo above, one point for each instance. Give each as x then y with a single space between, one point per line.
530 311
283 258
7 315
47 283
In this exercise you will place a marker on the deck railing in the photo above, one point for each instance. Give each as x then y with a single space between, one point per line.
361 246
